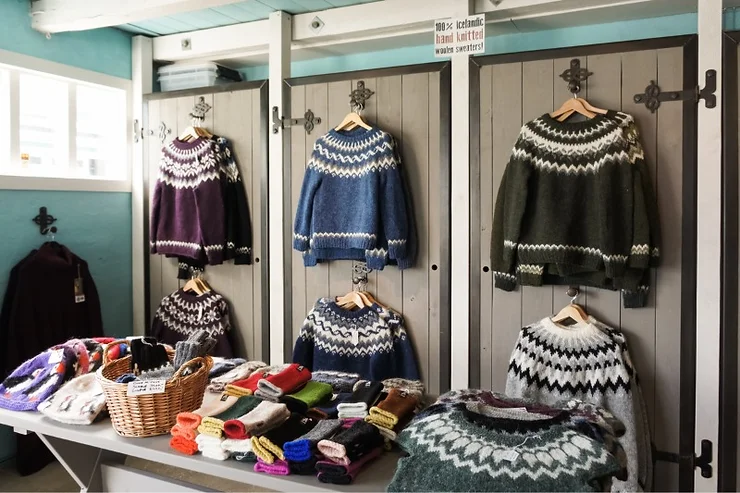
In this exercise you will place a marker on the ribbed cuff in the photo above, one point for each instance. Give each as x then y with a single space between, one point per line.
397 251
504 281
635 299
215 257
243 259
300 244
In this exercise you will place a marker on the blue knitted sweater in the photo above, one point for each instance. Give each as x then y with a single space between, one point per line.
353 203
371 341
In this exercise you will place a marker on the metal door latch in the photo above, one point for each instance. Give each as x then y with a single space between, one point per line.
702 461
654 96
309 121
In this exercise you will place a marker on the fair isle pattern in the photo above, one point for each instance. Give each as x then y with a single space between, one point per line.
209 312
188 168
335 236
533 269
195 247
354 158
595 252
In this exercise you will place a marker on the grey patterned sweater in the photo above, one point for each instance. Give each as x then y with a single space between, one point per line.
590 362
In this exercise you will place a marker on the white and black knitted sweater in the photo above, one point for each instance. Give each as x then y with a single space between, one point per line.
590 362
576 206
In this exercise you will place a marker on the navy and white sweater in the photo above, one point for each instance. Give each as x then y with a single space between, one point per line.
371 342
353 203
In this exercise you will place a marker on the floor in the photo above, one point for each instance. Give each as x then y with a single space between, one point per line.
54 478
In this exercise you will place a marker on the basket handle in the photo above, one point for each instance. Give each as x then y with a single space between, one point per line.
193 362
110 346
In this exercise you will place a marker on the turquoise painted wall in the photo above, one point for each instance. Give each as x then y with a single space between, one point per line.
96 226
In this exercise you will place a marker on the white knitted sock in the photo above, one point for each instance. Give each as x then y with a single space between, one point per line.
231 446
351 413
265 416
352 407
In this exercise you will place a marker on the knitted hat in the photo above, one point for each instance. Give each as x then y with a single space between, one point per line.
362 398
181 431
77 402
262 418
211 447
82 357
311 394
36 379
183 445
351 444
330 408
303 468
224 365
294 427
302 448
147 354
329 472
340 381
219 383
285 382
393 408
95 354
277 468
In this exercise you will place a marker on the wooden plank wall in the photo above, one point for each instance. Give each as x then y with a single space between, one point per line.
514 93
236 116
408 107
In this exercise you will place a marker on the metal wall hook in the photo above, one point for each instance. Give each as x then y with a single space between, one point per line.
358 97
360 270
573 293
45 221
200 109
575 75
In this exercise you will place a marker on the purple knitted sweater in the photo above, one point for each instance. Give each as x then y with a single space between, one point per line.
187 217
36 379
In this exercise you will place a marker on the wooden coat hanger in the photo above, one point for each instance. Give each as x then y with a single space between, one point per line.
591 107
194 286
192 132
569 108
571 311
351 300
352 120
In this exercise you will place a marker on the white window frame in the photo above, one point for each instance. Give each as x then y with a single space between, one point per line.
18 61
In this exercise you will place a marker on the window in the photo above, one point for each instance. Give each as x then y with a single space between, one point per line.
63 130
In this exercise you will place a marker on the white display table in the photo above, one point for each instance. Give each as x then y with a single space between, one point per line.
94 456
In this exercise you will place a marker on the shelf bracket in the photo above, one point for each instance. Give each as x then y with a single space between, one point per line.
309 121
653 96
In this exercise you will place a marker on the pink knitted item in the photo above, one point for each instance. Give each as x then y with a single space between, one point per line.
278 468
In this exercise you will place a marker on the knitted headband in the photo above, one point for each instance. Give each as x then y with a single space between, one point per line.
285 382
340 381
262 418
310 395
363 397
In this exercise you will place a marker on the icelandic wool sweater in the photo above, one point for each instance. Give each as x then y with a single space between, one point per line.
551 363
575 206
371 341
502 450
181 314
353 202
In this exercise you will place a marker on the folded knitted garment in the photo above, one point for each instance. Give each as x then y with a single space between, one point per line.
329 472
311 395
316 414
273 440
398 405
181 431
82 356
303 468
36 379
249 457
235 391
210 407
184 445
147 354
240 450
348 422
244 370
330 408
263 453
340 381
303 448
224 365
363 397
211 447
289 380
277 468
351 444
214 425
211 427
77 402
265 416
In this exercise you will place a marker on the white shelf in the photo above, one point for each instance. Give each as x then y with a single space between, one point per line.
375 477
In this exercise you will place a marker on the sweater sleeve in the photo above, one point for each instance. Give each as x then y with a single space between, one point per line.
92 301
304 211
393 206
509 211
303 350
236 210
154 217
209 201
404 356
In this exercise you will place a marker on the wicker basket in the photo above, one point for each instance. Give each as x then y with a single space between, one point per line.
152 414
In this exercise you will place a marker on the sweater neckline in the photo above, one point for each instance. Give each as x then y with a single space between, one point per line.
354 135
194 298
512 425
577 328
576 126
184 145
351 314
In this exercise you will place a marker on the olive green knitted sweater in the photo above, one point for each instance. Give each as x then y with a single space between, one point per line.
576 206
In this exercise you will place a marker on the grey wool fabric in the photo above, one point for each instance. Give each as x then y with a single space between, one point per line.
590 362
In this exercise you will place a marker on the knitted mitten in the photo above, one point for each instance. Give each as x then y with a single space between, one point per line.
330 472
249 383
393 408
317 414
311 394
198 344
219 383
211 408
411 387
183 445
351 444
340 381
235 391
147 354
249 457
278 468
212 427
362 398
242 406
262 418
303 468
348 422
186 433
285 382
294 427
302 448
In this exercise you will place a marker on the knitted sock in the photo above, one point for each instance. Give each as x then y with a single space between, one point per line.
249 383
224 365
285 382
396 406
211 408
340 381
337 474
351 444
352 414
278 468
302 448
330 409
182 444
265 416
303 468
189 420
212 427
362 399
348 422
211 447
312 394
187 433
263 453
294 427
219 383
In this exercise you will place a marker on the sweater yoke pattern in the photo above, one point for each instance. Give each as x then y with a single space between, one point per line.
189 167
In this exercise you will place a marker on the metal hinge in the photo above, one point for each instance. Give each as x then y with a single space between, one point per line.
703 461
138 132
653 96
309 121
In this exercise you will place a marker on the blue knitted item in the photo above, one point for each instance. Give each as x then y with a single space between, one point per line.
371 342
353 203
298 450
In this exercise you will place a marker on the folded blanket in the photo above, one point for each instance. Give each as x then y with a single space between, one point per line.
330 472
278 468
352 443
287 381
184 445
339 381
265 416
303 448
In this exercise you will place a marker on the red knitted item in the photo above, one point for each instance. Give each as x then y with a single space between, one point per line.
250 382
291 379
180 431
188 447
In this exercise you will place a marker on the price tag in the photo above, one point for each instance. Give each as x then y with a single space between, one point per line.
56 356
355 337
510 455
79 292
144 387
